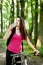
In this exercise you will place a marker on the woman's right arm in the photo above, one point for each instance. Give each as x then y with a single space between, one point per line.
7 34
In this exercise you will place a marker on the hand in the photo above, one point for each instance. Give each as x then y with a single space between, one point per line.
36 52
13 25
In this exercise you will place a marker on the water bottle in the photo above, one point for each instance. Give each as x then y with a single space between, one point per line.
13 25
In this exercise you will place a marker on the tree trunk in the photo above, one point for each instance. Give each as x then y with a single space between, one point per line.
36 22
30 33
1 18
22 7
41 22
12 12
17 7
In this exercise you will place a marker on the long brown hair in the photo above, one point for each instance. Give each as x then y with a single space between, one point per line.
22 30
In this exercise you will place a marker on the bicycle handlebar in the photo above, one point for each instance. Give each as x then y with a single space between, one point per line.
20 54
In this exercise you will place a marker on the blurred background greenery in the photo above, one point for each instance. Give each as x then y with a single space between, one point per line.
32 12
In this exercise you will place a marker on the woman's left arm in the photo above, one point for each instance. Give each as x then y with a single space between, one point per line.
32 46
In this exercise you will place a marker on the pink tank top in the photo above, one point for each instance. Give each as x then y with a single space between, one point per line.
15 43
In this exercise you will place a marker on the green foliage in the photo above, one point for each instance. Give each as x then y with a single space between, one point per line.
40 50
5 13
2 45
26 47
27 14
1 35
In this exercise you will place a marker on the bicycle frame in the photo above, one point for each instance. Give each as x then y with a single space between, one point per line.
23 61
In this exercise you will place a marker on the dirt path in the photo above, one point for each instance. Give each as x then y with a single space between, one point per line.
34 60
2 58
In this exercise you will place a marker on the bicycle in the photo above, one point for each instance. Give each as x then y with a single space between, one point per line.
24 58
23 61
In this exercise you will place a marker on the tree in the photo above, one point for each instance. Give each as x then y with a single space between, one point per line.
41 24
5 14
22 7
12 11
17 7
30 31
1 17
36 22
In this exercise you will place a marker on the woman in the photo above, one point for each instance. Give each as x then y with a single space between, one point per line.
14 36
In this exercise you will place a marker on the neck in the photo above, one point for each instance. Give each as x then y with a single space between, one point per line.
17 28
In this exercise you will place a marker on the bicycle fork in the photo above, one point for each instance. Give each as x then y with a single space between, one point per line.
25 60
